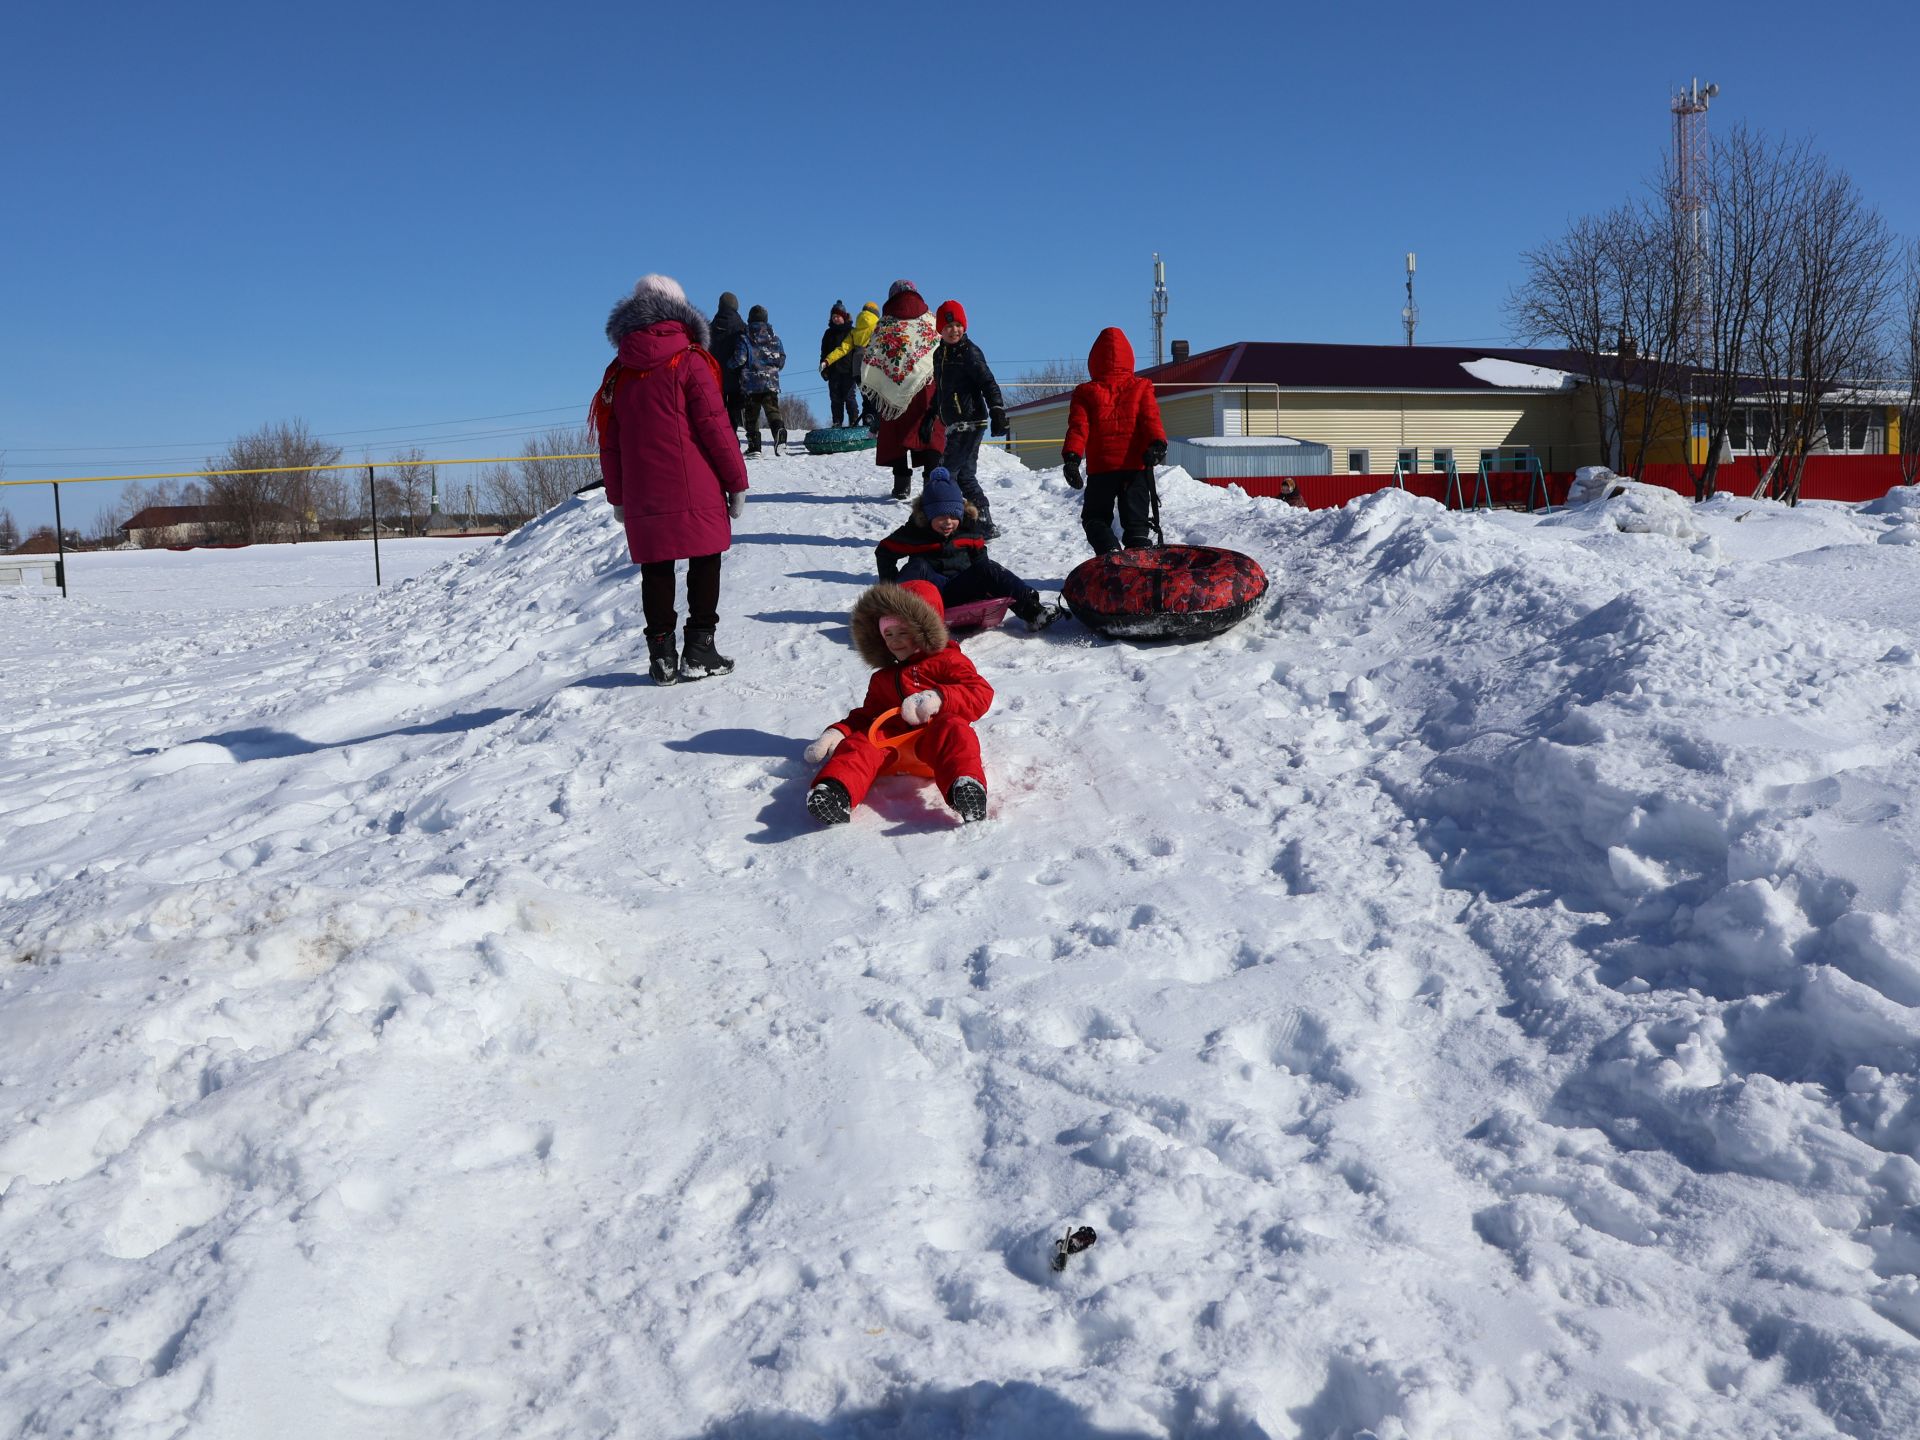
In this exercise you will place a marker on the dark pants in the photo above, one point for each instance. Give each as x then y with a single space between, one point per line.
703 595
843 398
962 459
1133 490
751 409
730 395
903 470
982 580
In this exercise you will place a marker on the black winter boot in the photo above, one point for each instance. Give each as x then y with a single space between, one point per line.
969 797
1036 614
700 659
829 803
662 664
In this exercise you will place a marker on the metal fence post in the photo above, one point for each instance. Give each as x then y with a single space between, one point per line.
60 544
373 503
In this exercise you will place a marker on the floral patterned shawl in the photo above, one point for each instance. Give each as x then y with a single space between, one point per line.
899 363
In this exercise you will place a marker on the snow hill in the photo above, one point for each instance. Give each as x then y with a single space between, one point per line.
1475 997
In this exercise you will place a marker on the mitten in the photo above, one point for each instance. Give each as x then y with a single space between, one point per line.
920 707
820 749
737 504
1156 452
823 371
926 430
620 514
1074 478
998 426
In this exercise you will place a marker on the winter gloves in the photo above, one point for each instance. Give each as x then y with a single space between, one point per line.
1074 477
997 424
820 749
736 504
619 514
1156 452
920 707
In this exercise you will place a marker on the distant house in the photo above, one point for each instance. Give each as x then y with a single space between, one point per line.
159 525
1372 406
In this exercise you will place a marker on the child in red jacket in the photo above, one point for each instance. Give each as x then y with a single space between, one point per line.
901 631
1114 424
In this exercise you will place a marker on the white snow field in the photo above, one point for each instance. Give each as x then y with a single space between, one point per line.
1475 997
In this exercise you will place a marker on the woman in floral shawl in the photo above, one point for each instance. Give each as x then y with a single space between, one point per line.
898 379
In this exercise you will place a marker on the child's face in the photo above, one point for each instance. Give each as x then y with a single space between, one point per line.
897 638
944 525
952 332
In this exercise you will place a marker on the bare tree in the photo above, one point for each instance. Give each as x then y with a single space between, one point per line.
1611 290
283 492
412 482
1906 349
9 532
550 474
797 415
1819 326
1056 377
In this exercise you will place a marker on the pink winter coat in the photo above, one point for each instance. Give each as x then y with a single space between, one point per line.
667 449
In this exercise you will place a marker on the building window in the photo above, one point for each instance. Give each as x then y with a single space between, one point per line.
1409 462
1359 463
1442 461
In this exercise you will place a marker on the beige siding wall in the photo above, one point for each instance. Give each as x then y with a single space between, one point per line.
1559 430
1046 426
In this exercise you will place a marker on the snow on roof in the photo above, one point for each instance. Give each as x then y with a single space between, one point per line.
1512 375
1223 442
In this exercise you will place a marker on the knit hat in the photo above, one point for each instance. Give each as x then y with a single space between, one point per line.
839 311
660 285
942 497
951 313
898 286
729 300
756 315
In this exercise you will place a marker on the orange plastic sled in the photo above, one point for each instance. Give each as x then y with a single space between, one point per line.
903 742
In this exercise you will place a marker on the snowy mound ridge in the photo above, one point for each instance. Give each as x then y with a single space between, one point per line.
1474 997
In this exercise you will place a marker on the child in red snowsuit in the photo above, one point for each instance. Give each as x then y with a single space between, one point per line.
901 631
1113 423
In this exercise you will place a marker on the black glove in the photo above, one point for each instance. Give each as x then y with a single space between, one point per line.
1156 452
926 431
999 425
1074 478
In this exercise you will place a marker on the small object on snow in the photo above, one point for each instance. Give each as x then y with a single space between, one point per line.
1072 1243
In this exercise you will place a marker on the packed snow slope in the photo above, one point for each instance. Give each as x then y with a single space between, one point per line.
1475 997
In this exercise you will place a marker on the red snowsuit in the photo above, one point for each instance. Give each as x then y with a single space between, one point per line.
947 744
1113 416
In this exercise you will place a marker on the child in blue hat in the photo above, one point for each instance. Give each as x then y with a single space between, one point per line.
943 544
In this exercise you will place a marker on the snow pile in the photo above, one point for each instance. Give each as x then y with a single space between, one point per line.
1474 997
1517 375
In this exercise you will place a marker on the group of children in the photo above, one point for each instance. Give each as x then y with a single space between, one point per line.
938 560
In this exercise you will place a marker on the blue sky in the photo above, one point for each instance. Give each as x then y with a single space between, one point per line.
388 220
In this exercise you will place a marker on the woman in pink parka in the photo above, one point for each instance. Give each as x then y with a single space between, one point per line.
673 468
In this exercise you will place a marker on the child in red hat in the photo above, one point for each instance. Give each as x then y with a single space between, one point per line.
901 631
966 401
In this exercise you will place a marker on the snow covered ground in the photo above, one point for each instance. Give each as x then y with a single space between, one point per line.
1475 997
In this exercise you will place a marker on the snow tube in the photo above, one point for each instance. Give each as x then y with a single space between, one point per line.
1167 592
839 439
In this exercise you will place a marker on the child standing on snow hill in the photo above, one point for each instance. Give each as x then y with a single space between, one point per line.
966 398
945 545
1114 424
898 379
840 365
759 356
901 631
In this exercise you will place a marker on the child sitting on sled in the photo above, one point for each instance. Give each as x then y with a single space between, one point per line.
944 544
901 631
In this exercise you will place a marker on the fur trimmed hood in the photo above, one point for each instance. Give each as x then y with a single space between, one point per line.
915 604
649 307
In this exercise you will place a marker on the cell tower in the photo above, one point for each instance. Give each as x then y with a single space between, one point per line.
1159 308
1690 211
1410 316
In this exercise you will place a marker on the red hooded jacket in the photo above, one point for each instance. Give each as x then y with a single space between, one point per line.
937 663
1113 417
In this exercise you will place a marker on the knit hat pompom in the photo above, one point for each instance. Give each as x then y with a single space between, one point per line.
941 497
898 287
756 314
660 285
951 313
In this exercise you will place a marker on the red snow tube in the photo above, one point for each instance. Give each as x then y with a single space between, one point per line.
1168 592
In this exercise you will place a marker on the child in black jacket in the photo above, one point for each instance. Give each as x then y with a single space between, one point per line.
966 400
944 545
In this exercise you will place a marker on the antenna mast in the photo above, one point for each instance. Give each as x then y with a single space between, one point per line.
1159 308
1410 316
1690 212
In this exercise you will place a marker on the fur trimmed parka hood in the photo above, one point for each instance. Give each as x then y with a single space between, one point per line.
916 604
649 307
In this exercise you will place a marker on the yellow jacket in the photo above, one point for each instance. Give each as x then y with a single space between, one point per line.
864 324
